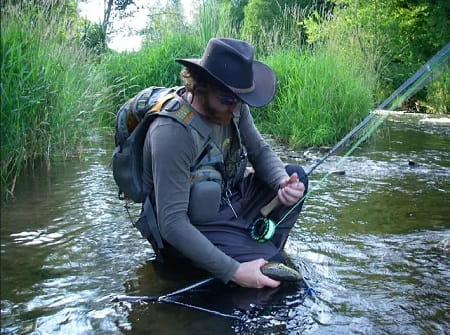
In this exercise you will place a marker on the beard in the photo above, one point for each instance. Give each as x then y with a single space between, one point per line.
216 116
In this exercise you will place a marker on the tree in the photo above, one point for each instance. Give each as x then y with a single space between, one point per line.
112 6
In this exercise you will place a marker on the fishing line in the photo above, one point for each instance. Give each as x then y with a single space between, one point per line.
166 298
127 298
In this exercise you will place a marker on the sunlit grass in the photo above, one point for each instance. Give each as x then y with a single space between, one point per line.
322 92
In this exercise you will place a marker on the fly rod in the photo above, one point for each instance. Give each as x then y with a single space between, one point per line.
404 91
419 78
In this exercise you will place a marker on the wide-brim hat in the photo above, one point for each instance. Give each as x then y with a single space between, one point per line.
231 63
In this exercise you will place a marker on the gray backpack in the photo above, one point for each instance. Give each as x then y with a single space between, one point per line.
131 124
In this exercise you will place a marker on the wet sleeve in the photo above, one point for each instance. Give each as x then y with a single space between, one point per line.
173 151
268 166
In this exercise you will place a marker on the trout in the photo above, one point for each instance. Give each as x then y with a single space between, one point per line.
280 271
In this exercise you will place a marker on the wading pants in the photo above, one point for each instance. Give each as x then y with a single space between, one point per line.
232 235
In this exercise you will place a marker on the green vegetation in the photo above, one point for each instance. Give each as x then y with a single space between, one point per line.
154 64
128 73
320 93
403 35
50 89
335 60
438 96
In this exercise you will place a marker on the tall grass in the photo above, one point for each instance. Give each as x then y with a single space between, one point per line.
322 92
320 96
287 31
50 90
438 93
154 64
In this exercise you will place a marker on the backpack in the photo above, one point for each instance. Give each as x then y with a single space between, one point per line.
131 124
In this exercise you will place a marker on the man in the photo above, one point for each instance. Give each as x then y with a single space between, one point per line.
195 167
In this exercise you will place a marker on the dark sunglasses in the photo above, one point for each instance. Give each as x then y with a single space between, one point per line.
228 100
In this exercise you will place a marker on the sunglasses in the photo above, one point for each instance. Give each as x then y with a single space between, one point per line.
228 100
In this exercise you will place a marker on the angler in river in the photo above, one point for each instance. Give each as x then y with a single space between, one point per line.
201 200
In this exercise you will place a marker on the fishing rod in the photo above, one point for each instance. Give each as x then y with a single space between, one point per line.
420 78
263 228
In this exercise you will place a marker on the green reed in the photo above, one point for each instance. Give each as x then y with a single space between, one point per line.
322 91
50 90
320 96
154 64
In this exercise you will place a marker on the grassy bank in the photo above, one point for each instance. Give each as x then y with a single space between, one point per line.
51 90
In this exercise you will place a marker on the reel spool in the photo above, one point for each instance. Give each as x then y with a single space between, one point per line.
263 229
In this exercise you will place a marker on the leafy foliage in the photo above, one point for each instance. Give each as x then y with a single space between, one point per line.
404 34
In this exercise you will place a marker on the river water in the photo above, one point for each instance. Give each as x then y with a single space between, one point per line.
373 243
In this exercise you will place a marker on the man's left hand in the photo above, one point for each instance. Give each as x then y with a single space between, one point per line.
291 190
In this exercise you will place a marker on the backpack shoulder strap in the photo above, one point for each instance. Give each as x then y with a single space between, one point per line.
161 101
177 110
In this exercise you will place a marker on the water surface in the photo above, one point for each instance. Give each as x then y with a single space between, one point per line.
370 242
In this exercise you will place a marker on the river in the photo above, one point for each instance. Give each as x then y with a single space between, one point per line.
373 243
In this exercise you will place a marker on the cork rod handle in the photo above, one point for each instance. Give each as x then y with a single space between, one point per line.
274 203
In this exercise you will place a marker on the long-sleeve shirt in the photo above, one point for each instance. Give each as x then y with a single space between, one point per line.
169 153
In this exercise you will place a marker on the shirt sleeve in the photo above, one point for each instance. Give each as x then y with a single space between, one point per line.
268 166
172 150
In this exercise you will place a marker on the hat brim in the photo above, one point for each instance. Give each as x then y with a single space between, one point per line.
263 77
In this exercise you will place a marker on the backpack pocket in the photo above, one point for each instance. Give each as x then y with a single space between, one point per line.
127 172
204 201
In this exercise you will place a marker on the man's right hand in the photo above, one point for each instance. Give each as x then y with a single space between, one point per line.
249 275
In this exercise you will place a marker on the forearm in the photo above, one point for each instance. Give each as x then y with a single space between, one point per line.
192 244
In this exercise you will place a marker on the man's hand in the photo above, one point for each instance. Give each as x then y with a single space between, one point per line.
249 274
291 190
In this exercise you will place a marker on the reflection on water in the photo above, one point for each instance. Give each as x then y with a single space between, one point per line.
372 243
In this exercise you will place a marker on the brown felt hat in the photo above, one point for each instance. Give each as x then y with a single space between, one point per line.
231 63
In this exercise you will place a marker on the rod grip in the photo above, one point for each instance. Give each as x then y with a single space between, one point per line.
274 203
